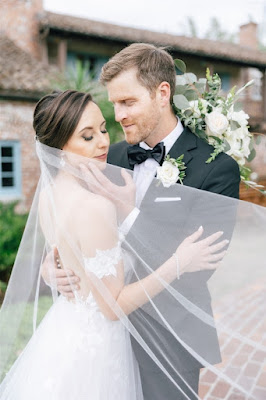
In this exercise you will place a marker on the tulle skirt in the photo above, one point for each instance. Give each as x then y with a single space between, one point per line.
75 354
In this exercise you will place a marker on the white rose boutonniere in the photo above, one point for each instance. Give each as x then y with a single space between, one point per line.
171 171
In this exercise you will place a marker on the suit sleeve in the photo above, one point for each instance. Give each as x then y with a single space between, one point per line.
223 178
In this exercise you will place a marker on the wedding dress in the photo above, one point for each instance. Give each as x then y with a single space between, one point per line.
77 353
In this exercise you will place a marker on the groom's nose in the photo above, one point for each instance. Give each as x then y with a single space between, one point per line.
120 112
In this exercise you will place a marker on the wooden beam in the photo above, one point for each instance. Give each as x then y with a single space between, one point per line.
264 95
62 54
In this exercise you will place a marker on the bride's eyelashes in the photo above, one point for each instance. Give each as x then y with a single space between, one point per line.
87 138
91 137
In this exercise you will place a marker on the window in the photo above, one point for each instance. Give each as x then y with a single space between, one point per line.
10 171
93 62
256 88
225 78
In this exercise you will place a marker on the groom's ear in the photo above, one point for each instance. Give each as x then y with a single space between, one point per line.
164 93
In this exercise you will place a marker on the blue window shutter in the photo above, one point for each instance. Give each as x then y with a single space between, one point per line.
10 168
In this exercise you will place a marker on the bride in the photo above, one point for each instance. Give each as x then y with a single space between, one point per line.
82 347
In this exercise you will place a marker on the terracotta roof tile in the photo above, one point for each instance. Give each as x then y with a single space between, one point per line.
200 47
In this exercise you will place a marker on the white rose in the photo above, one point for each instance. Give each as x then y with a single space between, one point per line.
168 174
216 123
241 117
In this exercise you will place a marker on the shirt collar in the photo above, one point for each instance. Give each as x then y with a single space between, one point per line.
170 139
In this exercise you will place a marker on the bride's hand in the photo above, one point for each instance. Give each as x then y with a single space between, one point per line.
124 197
195 255
62 280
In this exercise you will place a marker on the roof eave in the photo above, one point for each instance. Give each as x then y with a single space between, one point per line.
174 48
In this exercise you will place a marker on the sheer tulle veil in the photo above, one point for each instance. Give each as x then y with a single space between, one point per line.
203 319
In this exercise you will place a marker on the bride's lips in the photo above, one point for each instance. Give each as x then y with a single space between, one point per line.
101 157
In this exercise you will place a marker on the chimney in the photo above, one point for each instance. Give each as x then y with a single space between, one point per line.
248 35
19 22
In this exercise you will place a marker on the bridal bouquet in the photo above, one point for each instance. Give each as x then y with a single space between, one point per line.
216 118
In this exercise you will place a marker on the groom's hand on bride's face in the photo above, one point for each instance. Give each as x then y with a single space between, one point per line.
65 281
123 197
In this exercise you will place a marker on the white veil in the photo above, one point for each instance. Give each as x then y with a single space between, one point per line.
206 318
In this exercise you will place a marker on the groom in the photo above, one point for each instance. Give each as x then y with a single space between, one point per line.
140 81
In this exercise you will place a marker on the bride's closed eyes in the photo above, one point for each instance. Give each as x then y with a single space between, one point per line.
88 138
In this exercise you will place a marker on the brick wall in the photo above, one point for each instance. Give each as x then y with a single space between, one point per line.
248 35
18 21
16 124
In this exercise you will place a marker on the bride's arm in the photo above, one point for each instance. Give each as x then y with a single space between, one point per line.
99 232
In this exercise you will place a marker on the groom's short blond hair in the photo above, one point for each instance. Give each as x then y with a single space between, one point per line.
154 65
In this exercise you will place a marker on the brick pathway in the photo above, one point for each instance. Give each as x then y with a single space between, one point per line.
244 363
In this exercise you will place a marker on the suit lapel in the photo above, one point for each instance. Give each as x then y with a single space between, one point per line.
124 161
186 142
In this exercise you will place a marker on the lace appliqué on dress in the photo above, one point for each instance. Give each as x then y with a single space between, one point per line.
105 261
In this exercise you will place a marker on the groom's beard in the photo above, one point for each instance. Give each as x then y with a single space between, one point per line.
138 130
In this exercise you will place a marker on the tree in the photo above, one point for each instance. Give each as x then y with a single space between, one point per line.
214 30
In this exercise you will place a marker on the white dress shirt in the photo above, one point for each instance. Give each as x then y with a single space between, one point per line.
145 172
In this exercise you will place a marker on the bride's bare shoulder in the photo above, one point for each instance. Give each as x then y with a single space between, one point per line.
75 200
94 203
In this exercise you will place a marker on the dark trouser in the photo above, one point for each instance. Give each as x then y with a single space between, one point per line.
157 386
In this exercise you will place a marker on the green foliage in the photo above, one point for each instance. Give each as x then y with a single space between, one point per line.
214 83
78 77
11 230
245 172
192 26
219 147
180 65
114 128
215 31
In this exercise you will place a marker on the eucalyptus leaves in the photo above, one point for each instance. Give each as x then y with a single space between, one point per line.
218 119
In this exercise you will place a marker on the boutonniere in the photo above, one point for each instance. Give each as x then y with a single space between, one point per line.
171 171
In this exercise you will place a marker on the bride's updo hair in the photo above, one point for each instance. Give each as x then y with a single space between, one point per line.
57 115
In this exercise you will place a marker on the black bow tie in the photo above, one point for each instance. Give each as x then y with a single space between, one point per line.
137 155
